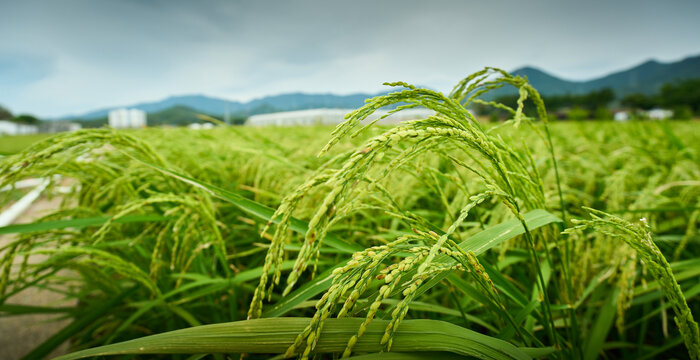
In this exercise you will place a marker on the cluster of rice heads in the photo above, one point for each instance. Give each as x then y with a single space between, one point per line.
120 194
640 239
163 225
507 175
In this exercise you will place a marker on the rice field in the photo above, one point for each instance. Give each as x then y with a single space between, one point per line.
14 144
441 237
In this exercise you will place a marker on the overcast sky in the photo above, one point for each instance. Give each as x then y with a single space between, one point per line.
60 57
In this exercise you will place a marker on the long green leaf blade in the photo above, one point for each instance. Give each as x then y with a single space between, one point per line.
77 223
276 334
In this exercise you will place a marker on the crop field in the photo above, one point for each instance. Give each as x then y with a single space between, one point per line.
14 144
441 237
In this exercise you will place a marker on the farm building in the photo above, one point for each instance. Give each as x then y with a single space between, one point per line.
13 128
59 126
330 117
198 126
127 118
622 116
659 114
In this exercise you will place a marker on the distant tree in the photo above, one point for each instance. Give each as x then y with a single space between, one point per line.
590 101
682 113
5 114
480 109
683 93
26 119
92 123
238 120
508 100
597 99
263 109
578 114
556 102
602 113
639 101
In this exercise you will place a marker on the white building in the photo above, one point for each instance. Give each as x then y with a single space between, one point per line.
127 118
659 114
622 116
198 126
331 117
13 128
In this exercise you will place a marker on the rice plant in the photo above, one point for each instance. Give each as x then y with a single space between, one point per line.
441 235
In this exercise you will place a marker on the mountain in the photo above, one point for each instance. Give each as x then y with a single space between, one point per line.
199 102
645 78
648 77
301 101
217 106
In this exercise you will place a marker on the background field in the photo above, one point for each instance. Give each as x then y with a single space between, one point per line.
183 257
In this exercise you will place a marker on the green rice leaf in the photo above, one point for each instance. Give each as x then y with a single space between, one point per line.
274 335
77 223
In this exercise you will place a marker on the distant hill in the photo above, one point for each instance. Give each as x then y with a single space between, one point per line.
645 78
217 106
199 102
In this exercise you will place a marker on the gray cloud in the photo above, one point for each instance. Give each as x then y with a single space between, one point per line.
59 57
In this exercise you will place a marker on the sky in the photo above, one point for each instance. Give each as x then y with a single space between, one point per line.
62 57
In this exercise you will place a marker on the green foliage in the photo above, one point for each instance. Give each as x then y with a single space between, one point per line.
639 101
92 123
590 101
639 238
682 113
681 95
436 234
26 119
602 113
5 113
16 143
578 114
273 335
684 93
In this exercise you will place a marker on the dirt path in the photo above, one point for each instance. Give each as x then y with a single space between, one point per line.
20 334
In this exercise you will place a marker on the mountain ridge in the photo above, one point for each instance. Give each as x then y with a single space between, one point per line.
646 78
218 106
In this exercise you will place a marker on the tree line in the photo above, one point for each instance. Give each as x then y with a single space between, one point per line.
6 114
682 97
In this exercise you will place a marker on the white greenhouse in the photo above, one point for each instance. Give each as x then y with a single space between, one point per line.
13 128
127 118
331 117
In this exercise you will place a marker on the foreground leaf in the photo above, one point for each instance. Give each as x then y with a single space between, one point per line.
274 335
77 223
